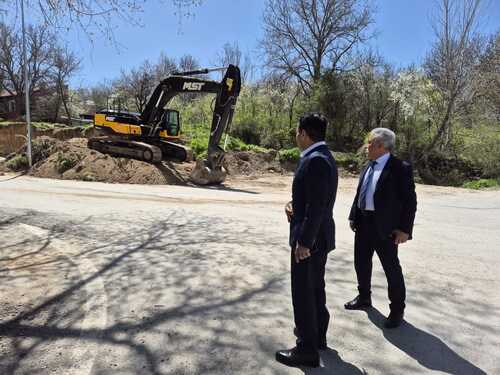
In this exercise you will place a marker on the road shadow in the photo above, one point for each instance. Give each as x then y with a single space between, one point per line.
332 363
167 257
223 187
171 174
428 350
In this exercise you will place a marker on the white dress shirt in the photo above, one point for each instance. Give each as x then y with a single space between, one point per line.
311 147
379 167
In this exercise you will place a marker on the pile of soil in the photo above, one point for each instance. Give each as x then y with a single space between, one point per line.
251 163
72 160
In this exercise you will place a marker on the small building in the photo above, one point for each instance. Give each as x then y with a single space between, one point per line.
8 107
44 105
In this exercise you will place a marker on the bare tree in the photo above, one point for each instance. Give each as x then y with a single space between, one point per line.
164 67
303 38
486 80
65 65
452 60
187 63
229 54
99 94
93 17
39 60
373 80
138 84
247 68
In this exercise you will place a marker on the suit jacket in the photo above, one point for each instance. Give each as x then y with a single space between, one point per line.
314 190
395 199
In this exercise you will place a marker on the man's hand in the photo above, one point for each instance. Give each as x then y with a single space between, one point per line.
400 236
351 224
289 211
301 253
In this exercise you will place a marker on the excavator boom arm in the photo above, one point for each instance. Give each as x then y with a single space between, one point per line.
226 91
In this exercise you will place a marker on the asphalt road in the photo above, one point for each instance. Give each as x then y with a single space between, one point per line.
130 279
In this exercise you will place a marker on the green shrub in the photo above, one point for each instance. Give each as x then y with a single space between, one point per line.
482 183
248 132
65 162
349 161
17 163
42 148
289 155
199 147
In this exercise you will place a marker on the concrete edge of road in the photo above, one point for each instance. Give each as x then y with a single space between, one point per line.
96 302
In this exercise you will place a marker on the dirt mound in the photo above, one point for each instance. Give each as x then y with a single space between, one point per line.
250 163
72 160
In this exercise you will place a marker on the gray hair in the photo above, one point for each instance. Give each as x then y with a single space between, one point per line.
386 136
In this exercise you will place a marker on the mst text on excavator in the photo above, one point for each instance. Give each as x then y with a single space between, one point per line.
154 134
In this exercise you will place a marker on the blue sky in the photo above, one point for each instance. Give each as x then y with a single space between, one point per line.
403 34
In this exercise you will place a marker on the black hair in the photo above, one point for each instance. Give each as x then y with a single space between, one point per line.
314 124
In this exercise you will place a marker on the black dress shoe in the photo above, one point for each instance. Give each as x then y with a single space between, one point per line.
358 303
295 358
322 345
394 320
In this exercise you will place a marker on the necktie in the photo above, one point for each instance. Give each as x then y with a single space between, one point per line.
367 182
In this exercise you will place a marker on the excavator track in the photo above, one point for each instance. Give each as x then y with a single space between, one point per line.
171 150
127 148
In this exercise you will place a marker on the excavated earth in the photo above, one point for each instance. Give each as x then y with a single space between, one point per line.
72 160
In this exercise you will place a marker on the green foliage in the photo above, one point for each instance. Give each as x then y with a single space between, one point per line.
42 148
481 145
236 144
482 184
18 163
289 155
350 161
65 162
199 146
267 115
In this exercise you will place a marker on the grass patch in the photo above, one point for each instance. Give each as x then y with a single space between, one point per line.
65 162
482 183
18 163
197 139
290 155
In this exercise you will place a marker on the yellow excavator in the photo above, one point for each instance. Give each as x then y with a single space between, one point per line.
154 134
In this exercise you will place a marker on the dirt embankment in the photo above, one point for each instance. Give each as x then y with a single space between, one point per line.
72 160
13 136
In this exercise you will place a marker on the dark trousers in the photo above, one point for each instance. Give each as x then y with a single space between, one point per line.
367 241
309 301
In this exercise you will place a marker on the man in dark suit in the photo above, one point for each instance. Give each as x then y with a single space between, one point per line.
382 217
312 236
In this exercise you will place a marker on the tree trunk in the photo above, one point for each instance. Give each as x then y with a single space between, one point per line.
65 103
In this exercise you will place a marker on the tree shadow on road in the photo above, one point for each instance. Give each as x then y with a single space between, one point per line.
180 257
428 350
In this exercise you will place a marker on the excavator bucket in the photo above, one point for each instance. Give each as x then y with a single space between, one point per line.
202 174
211 171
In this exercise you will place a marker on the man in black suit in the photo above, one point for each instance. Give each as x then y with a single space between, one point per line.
312 236
382 217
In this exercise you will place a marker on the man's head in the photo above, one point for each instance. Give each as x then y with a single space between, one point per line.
311 129
380 142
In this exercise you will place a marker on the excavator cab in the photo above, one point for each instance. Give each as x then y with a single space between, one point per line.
171 123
